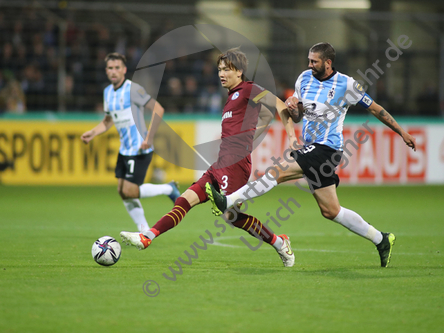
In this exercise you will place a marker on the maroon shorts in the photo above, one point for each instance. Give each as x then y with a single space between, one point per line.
226 178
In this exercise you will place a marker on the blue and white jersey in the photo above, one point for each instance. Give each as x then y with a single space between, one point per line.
118 104
326 103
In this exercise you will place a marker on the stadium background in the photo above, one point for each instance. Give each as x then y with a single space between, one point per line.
52 78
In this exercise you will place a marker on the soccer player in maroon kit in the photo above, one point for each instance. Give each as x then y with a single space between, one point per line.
243 119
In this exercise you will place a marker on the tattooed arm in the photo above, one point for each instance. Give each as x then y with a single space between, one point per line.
386 118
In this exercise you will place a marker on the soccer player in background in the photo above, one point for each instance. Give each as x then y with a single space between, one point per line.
243 120
322 97
135 151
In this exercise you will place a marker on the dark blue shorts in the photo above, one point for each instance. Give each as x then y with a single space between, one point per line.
133 168
318 162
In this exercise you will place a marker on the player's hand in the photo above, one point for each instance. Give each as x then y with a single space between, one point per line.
292 103
294 144
409 140
146 144
87 136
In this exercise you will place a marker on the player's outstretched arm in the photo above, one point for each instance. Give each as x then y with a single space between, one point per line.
386 118
264 119
156 118
274 103
291 115
102 127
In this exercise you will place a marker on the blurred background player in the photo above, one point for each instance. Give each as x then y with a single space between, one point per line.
243 120
322 96
135 153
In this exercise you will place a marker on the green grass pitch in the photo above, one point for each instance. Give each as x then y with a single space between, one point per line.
50 283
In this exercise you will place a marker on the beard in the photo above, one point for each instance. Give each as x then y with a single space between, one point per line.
318 73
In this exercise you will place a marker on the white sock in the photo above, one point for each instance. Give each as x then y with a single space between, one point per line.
252 190
151 190
135 210
355 223
149 234
278 243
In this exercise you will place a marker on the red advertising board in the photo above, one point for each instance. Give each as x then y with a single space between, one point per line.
372 154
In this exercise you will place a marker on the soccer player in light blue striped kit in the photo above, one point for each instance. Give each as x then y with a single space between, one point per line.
322 97
122 99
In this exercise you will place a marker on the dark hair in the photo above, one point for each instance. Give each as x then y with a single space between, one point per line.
235 59
325 50
115 56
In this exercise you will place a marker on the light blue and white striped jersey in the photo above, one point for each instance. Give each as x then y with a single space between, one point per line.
118 104
326 103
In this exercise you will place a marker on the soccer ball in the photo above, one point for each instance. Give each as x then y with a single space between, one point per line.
106 251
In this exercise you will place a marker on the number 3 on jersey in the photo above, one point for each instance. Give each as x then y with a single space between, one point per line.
224 182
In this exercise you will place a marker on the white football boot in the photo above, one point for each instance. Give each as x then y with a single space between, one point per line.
286 253
135 239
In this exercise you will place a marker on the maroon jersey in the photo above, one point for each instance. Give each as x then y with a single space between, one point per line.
239 119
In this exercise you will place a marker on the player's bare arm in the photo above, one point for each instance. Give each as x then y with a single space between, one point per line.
386 118
289 128
102 127
274 103
156 118
264 119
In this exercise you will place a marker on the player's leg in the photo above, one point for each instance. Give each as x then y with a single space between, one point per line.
129 191
170 220
170 189
133 205
328 203
190 198
278 174
229 179
259 230
148 190
136 168
183 204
